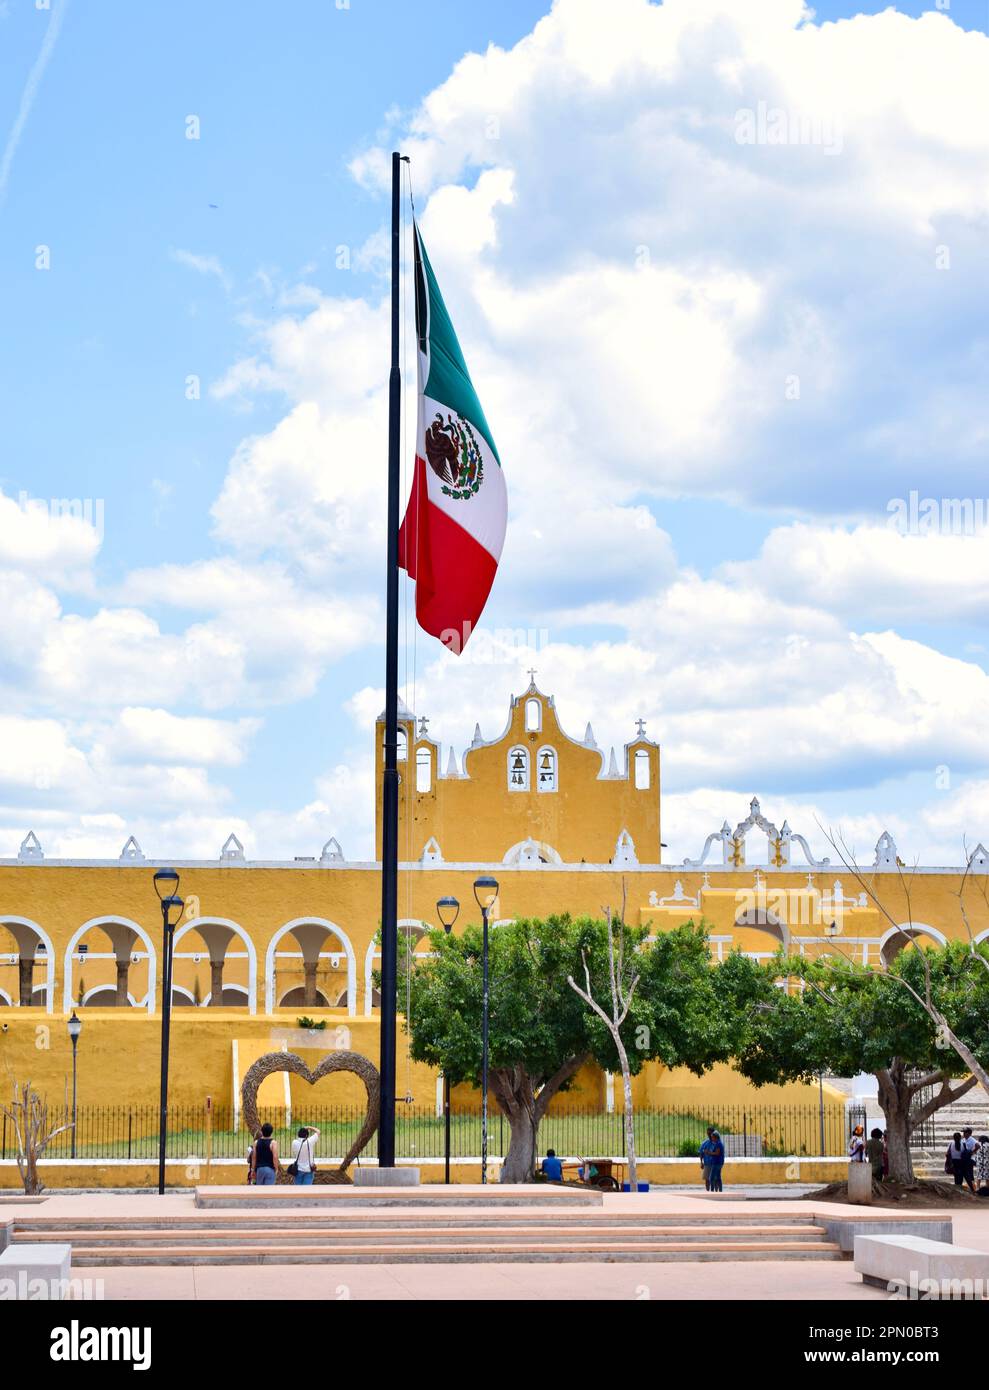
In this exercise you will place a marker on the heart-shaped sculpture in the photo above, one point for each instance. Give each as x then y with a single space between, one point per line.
334 1061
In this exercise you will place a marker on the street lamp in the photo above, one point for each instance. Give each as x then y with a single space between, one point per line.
172 906
485 892
75 1028
448 910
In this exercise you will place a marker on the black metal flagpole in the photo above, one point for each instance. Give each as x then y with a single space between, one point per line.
389 791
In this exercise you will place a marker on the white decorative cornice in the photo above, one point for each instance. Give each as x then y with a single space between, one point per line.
625 851
331 853
232 851
978 860
30 850
732 842
886 856
132 852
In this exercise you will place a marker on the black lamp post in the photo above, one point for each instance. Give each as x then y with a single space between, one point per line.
485 892
447 908
166 886
75 1028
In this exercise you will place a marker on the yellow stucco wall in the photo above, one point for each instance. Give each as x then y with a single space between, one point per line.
476 820
471 815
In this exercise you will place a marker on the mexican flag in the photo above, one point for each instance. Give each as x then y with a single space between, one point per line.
454 526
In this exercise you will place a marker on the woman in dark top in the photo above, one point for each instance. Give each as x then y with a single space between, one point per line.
265 1164
958 1162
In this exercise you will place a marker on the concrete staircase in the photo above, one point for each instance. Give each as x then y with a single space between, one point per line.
468 1236
972 1111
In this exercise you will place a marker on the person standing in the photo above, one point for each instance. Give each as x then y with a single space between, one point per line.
874 1151
304 1156
856 1145
717 1157
958 1162
705 1156
982 1165
970 1144
265 1164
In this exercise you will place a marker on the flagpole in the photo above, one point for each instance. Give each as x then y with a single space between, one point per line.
389 791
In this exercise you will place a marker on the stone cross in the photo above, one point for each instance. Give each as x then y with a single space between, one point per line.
640 728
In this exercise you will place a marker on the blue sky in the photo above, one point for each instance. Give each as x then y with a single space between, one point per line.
211 659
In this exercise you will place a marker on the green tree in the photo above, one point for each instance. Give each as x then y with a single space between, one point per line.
847 1018
541 1033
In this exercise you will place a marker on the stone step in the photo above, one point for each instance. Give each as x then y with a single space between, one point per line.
335 1196
724 1217
510 1234
530 1252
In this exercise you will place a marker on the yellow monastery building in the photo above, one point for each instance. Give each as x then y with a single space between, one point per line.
561 823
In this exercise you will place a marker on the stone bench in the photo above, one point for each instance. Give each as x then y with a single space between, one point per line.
35 1272
916 1267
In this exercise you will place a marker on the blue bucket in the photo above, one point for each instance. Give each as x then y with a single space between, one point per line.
640 1187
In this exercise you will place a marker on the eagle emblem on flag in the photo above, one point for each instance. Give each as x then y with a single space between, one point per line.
454 456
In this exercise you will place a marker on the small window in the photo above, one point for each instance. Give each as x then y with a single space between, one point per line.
403 746
533 716
518 769
546 770
642 770
424 770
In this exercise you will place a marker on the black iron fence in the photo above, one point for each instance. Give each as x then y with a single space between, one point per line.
131 1132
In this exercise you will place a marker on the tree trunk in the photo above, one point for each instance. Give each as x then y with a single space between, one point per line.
520 1161
896 1097
633 1172
516 1095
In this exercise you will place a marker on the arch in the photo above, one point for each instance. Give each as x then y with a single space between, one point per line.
87 998
5 1000
547 769
76 937
229 989
893 941
642 769
371 995
333 929
424 769
518 768
252 957
402 745
46 941
547 854
982 936
290 1001
533 716
758 919
183 998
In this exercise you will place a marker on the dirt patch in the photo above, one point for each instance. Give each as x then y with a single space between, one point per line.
892 1194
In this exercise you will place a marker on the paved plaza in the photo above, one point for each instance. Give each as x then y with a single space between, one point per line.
825 1281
